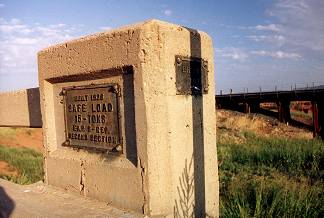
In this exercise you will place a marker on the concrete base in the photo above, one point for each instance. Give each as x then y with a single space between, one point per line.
39 200
166 136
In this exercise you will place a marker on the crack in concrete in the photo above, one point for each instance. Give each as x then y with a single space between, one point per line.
82 178
145 206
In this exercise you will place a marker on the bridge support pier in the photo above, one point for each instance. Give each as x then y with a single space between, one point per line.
321 118
247 108
284 111
255 107
318 118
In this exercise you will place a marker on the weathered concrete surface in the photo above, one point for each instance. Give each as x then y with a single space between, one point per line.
20 108
169 140
39 200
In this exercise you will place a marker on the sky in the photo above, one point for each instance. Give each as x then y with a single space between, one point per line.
258 44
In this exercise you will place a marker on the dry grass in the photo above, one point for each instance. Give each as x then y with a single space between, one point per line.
231 124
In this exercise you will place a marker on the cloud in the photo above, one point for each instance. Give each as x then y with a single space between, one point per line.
60 25
105 28
300 6
301 22
232 53
12 26
273 39
167 12
270 27
21 42
2 5
287 46
277 54
294 24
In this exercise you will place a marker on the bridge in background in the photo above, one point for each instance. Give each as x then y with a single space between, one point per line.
250 102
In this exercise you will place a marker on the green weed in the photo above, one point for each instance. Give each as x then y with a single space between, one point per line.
269 199
29 164
271 177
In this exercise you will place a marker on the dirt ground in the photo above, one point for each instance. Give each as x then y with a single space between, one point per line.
22 137
19 137
7 170
230 124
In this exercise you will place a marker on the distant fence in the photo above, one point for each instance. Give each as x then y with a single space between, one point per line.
272 87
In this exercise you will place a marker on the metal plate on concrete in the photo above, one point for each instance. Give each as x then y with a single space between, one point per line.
191 75
92 117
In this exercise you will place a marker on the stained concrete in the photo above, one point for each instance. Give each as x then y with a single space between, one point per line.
40 200
169 140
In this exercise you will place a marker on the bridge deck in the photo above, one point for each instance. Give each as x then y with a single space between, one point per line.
294 95
251 102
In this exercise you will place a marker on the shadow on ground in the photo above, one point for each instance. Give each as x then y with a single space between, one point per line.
6 204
